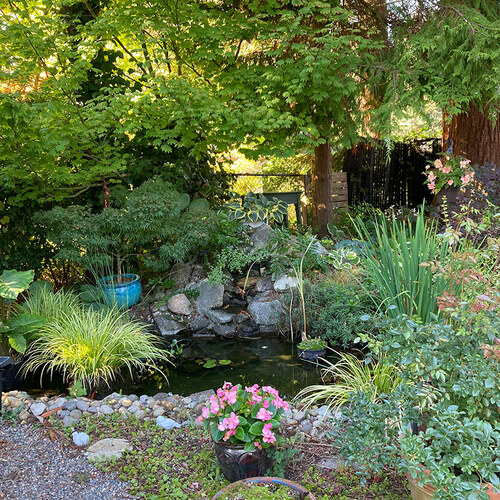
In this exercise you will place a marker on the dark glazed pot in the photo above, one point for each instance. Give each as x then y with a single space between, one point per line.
237 464
311 356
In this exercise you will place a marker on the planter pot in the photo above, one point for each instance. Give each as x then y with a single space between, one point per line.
11 377
294 487
237 464
122 294
426 491
451 194
310 356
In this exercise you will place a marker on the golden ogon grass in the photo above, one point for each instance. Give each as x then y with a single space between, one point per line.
92 347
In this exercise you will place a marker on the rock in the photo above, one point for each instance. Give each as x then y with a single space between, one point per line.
106 410
133 397
108 448
13 402
331 463
198 323
69 421
265 311
261 237
167 423
306 426
126 402
63 413
82 405
69 405
180 273
319 249
158 411
198 273
93 409
76 414
225 330
241 318
180 304
133 409
57 403
140 414
264 284
144 398
168 327
162 396
284 283
249 329
24 415
38 408
323 411
202 397
298 415
219 317
81 438
211 296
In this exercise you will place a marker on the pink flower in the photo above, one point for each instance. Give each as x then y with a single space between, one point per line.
256 398
465 179
438 164
229 423
446 170
256 444
232 395
450 182
431 176
264 415
252 390
214 405
270 390
228 434
204 412
200 419
432 186
265 403
279 403
268 435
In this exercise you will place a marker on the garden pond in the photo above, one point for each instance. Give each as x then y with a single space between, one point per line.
206 363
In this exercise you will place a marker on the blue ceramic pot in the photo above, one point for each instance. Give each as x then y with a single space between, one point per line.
124 294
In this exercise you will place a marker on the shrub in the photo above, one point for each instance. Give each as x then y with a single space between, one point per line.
333 312
91 347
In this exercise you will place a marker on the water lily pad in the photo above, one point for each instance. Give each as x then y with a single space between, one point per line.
211 363
225 362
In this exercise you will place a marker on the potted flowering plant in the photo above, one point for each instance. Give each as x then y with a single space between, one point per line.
448 172
243 424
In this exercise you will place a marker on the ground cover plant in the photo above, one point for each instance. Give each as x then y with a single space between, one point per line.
181 464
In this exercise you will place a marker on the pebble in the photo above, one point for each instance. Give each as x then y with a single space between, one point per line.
106 409
82 405
158 412
81 438
76 414
38 408
126 402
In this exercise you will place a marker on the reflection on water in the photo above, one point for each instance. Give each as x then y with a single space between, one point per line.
266 361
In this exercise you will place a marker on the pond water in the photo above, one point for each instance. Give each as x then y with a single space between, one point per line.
265 361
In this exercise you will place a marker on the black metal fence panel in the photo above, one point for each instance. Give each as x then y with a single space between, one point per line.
384 174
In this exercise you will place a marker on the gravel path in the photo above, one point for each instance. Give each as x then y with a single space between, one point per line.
34 467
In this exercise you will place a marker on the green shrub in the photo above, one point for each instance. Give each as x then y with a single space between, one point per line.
333 312
91 347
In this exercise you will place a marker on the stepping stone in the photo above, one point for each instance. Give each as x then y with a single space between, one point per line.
108 448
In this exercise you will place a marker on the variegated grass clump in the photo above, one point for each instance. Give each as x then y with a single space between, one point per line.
91 347
50 305
347 376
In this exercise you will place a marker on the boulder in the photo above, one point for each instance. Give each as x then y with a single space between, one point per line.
248 329
211 296
180 273
198 323
168 327
225 330
180 304
261 237
219 317
265 310
202 397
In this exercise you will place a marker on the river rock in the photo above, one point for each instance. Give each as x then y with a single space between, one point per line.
167 423
108 448
198 323
38 408
180 304
284 283
220 317
211 296
81 438
168 327
225 330
265 311
82 405
264 284
180 273
105 410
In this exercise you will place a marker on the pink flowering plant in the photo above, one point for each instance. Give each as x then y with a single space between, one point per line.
448 171
247 416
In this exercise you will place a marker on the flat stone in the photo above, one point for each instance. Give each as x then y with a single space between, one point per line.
284 283
211 296
225 330
265 311
180 304
168 327
106 410
38 408
219 317
241 318
167 423
76 414
198 323
323 411
108 448
298 415
82 405
306 426
70 405
93 409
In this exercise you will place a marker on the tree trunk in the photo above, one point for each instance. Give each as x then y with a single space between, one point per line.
473 135
321 187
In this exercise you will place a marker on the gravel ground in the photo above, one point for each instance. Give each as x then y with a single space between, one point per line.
32 466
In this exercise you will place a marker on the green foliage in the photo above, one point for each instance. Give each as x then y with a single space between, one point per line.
349 376
154 226
256 207
312 344
398 269
92 347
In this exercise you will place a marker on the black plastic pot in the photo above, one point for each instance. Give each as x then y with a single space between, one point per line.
311 356
12 377
237 464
